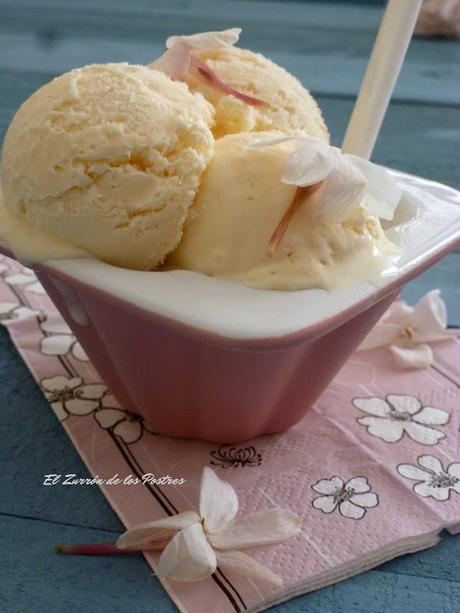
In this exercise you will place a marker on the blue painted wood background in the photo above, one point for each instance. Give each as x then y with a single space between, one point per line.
326 45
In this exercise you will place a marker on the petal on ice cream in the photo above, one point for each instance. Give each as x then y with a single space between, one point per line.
175 62
181 59
383 192
341 192
313 161
207 40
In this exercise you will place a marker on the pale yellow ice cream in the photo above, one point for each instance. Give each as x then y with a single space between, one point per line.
241 201
109 158
291 108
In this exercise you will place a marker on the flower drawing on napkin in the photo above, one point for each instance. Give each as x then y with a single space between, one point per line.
28 280
123 424
352 498
233 457
71 396
391 417
12 311
195 543
432 480
60 339
409 331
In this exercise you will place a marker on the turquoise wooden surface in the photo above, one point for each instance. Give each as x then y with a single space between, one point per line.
326 45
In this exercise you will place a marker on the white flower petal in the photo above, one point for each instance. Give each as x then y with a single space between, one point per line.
218 501
207 40
382 334
188 556
423 434
454 470
59 410
348 509
399 313
18 279
56 345
261 528
326 504
381 427
59 383
22 312
242 564
341 192
109 417
413 472
359 485
6 307
374 406
55 324
129 431
79 353
76 406
382 193
431 417
415 357
35 288
427 490
430 462
310 163
328 486
111 402
367 500
430 317
152 531
92 391
175 62
402 403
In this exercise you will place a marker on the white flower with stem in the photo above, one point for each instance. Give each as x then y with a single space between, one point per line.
352 498
12 311
398 414
123 424
28 280
60 339
433 481
334 183
181 58
71 396
409 331
196 543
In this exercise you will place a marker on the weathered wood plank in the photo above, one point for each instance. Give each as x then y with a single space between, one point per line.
33 443
326 45
36 579
377 592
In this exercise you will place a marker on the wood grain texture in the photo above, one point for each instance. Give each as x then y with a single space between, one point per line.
326 45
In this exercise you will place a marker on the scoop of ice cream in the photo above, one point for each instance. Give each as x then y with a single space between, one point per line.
238 206
109 157
290 107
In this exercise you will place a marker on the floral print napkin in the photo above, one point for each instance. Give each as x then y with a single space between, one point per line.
372 471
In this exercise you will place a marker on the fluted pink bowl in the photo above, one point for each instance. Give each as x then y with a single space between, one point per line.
204 358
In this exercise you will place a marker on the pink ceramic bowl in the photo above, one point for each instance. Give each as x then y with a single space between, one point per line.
205 358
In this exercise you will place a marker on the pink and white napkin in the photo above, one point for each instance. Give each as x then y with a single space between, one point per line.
372 471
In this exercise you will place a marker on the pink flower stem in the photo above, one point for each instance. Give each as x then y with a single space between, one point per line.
204 72
301 194
93 549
